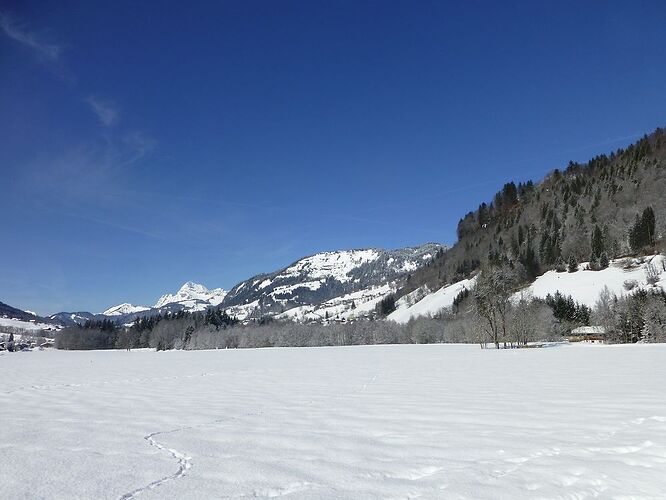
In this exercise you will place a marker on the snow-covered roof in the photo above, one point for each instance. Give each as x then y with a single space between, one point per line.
589 330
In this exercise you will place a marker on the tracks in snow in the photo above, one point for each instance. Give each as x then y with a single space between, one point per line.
184 461
184 464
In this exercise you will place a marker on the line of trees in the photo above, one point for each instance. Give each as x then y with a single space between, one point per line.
490 313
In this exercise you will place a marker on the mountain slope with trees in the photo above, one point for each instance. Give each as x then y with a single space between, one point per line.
611 206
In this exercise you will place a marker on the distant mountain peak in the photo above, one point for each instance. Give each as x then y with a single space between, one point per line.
344 283
192 292
125 308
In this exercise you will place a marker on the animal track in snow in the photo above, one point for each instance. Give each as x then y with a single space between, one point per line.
184 464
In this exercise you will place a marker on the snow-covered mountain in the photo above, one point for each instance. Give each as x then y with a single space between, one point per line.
124 309
72 318
345 283
12 318
342 284
193 297
423 302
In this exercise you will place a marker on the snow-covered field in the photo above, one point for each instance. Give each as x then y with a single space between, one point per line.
437 421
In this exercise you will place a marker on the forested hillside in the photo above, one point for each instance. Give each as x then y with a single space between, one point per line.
610 206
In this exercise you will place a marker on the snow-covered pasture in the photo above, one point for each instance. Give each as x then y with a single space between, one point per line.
435 421
584 286
18 324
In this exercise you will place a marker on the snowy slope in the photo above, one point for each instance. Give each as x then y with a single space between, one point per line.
585 286
72 318
345 283
33 325
13 318
360 304
123 309
364 422
193 296
335 265
431 303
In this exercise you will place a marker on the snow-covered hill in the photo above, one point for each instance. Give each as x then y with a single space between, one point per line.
72 318
622 277
124 309
193 297
343 284
11 324
14 319
418 304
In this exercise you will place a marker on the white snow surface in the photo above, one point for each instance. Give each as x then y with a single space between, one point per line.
431 303
122 309
26 325
190 294
341 307
331 264
585 286
435 421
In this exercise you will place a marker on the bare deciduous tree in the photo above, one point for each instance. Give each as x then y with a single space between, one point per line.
492 295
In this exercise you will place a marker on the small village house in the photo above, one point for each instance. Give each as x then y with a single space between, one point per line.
588 335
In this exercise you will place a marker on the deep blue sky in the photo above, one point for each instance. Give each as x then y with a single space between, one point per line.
145 145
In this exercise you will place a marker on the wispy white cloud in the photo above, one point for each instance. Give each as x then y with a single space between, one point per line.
84 180
19 33
136 145
87 182
105 110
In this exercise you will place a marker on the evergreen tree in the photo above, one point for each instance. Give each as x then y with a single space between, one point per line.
483 214
572 266
642 233
595 265
604 261
649 223
386 306
560 265
530 262
188 335
597 242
